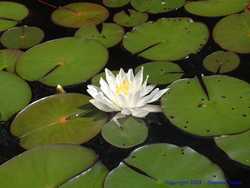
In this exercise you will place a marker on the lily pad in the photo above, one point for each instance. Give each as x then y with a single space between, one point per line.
236 146
11 13
227 104
46 166
96 79
161 72
75 15
48 121
131 132
9 58
22 37
221 62
214 8
167 39
52 64
110 35
130 18
160 165
233 33
157 6
15 95
93 178
115 3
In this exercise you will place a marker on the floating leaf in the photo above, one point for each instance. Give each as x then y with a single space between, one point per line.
110 35
161 72
130 18
214 8
236 146
167 39
9 58
52 64
160 165
96 79
157 6
131 133
15 95
47 121
221 62
227 105
115 3
46 166
232 33
75 15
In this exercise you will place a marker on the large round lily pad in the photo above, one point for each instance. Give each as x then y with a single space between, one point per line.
9 58
161 72
48 121
115 3
214 8
130 133
237 146
226 109
167 39
46 166
64 61
221 62
22 37
110 34
233 33
11 13
15 95
157 6
163 166
77 14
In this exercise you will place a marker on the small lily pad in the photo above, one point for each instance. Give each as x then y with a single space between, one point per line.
221 62
15 95
157 6
233 33
188 107
214 8
160 165
236 146
46 166
9 58
167 39
96 79
115 3
52 64
131 132
110 35
161 72
75 15
22 37
48 121
130 18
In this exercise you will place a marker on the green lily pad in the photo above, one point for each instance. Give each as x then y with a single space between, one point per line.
48 121
93 178
188 107
236 146
15 95
157 6
9 58
46 166
130 18
52 64
11 13
131 133
96 79
75 15
110 35
161 72
184 37
233 33
22 37
115 3
160 165
214 8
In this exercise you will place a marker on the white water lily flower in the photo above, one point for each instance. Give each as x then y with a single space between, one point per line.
125 94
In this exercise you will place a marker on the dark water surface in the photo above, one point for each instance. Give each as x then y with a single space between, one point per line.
160 129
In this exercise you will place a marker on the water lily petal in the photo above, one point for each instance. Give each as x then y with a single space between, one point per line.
101 106
152 108
158 95
106 89
140 113
110 79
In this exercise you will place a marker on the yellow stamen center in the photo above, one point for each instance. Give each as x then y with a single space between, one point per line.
123 87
